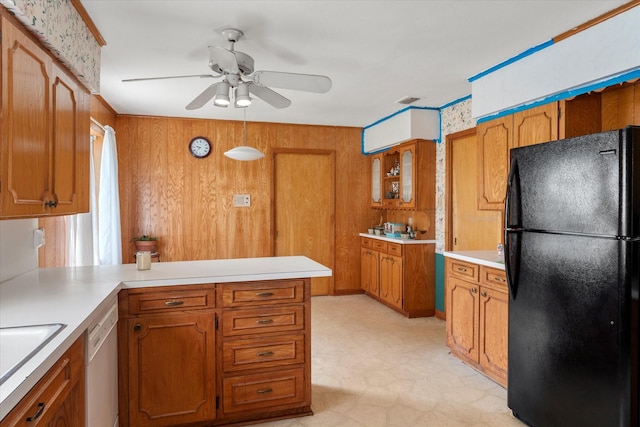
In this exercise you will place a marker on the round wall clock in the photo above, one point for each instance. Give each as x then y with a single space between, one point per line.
200 147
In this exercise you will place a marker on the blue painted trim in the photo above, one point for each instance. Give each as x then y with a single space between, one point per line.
457 101
410 107
516 58
566 94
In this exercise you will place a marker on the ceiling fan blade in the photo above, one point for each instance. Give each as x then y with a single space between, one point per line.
269 96
294 81
225 58
202 76
203 98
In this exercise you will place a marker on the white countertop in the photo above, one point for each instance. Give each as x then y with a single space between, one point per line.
487 258
399 240
75 296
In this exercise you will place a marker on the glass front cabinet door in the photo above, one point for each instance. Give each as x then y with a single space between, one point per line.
407 177
376 179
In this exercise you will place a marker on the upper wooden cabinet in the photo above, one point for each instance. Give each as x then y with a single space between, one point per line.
395 172
494 141
45 132
613 108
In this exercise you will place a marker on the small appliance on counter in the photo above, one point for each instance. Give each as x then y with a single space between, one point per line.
394 229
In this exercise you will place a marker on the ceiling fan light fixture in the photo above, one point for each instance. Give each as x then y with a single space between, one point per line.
221 98
242 95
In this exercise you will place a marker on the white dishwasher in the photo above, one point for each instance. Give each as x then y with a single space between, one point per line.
102 370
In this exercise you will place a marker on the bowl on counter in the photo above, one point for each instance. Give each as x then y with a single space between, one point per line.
370 230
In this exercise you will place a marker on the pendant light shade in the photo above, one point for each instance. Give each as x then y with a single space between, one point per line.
244 152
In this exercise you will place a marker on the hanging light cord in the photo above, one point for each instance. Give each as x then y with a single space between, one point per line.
244 128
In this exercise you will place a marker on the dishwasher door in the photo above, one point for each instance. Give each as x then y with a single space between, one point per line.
102 370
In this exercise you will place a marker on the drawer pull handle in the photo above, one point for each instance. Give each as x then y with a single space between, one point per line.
264 353
34 417
464 270
264 390
173 303
264 321
499 279
264 294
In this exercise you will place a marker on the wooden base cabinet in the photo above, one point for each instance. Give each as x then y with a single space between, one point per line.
477 303
58 399
167 355
214 355
401 276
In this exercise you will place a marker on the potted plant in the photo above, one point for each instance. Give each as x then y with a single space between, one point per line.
145 243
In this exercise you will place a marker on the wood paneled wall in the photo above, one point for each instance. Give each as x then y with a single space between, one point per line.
188 202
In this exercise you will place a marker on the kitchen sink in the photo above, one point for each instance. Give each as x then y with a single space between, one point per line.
18 344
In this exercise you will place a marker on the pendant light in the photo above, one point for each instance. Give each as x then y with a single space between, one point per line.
244 152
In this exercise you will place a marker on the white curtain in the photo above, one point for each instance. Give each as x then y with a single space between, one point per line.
82 241
109 232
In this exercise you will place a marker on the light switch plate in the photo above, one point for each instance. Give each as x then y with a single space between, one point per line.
241 200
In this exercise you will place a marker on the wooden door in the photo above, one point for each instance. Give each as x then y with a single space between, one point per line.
462 318
494 141
535 125
494 320
468 227
171 369
305 209
26 126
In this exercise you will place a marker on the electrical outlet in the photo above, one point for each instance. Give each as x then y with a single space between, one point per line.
38 237
241 200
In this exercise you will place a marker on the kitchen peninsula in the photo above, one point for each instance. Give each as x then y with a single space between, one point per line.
271 292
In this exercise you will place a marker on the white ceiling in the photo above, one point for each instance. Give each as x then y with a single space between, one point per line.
375 52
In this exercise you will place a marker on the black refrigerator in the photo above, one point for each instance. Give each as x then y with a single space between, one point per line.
572 230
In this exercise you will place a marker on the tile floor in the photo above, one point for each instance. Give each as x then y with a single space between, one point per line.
372 367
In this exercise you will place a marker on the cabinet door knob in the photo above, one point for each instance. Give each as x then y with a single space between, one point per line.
137 327
483 294
52 203
474 291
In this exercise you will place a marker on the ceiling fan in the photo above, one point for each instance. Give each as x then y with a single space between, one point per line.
239 79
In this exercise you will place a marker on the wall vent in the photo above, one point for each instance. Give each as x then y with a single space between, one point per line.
407 100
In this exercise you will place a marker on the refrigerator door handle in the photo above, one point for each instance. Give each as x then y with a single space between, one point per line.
512 228
512 259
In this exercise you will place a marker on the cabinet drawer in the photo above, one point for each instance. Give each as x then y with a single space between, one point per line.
248 392
366 243
262 293
394 249
379 245
492 276
263 352
276 319
462 269
171 300
48 395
